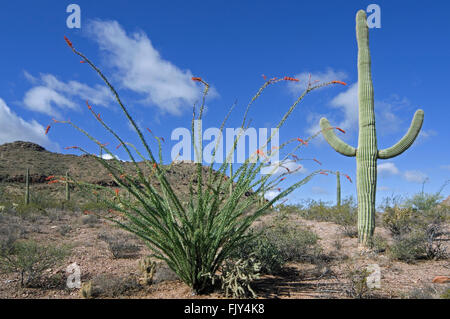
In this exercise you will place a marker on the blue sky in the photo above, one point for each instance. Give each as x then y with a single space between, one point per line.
150 50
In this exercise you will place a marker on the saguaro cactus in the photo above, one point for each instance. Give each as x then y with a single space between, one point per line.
367 152
27 187
338 189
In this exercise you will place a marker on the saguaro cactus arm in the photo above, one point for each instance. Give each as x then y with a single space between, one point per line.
406 140
335 142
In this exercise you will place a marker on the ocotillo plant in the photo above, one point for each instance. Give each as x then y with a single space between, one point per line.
367 152
195 237
27 187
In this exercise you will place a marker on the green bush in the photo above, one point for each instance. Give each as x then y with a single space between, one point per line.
279 244
29 260
264 251
409 247
379 244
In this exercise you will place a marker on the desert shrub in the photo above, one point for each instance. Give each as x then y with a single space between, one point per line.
400 220
120 245
434 233
236 277
409 247
446 294
379 244
109 286
345 215
316 210
64 230
264 251
357 283
295 243
418 227
280 243
29 260
94 207
90 220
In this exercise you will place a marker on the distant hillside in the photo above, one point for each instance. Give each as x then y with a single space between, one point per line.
16 157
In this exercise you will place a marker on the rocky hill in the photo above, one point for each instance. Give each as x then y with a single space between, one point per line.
16 157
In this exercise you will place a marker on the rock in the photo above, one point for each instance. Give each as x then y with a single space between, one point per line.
441 279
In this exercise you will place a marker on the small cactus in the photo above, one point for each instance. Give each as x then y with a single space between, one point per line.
27 187
86 290
147 267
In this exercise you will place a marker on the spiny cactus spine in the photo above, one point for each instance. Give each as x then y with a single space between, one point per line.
367 152
27 187
338 191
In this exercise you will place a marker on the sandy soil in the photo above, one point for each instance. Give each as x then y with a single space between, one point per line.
297 280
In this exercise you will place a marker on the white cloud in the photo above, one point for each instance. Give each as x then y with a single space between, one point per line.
415 176
14 128
108 157
383 188
139 67
42 99
269 195
319 190
387 169
347 102
51 92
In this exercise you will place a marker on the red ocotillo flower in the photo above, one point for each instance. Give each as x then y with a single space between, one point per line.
162 139
82 61
315 160
47 129
122 176
323 173
302 141
116 191
339 82
71 147
264 77
259 152
295 157
89 107
50 177
117 147
348 177
282 179
68 42
154 165
53 182
87 212
149 130
339 129
197 79
287 78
